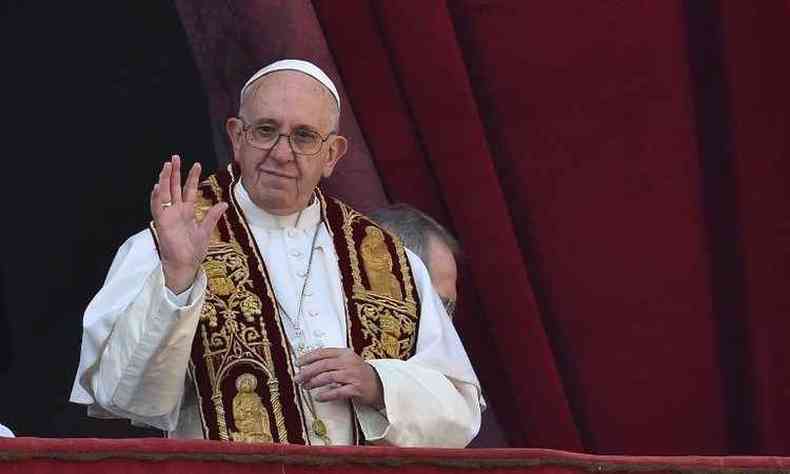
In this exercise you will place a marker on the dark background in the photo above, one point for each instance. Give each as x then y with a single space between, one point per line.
95 95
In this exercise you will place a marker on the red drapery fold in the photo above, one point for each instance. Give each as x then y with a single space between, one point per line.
591 119
572 146
424 59
755 36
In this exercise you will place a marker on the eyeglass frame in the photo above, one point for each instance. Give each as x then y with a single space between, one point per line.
245 127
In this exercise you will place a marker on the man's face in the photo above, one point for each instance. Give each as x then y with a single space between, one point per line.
443 269
278 180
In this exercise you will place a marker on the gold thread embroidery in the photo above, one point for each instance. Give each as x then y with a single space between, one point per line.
251 306
209 313
404 265
380 305
279 417
230 336
203 204
228 339
392 333
218 281
221 425
377 262
249 415
349 216
354 269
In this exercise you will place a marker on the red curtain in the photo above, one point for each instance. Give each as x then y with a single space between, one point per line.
617 174
755 36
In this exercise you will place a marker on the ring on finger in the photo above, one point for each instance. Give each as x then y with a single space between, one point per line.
167 204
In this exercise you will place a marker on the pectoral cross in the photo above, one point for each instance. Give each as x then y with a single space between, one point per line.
319 428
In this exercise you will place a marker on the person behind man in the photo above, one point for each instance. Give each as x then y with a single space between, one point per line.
440 251
437 248
257 308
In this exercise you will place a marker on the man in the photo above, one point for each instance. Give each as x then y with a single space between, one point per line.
430 241
440 251
256 308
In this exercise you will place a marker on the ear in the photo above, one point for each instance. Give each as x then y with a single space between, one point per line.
235 129
337 149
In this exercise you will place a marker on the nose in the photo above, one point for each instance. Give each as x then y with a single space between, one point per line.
281 151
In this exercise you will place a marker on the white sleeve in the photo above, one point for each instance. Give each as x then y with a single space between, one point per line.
5 432
137 338
432 399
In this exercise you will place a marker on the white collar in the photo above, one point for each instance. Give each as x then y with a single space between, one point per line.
311 215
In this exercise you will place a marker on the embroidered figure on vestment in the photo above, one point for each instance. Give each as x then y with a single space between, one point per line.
249 414
377 262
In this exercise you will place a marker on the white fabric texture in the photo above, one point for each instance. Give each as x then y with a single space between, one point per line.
5 432
137 340
300 65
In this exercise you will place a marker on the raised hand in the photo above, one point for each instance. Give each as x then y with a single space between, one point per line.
183 241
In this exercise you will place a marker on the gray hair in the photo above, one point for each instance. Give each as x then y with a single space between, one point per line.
334 112
414 228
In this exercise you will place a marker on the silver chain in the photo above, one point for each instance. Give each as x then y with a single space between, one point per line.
295 323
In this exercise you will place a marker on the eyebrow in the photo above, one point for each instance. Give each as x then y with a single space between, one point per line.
264 120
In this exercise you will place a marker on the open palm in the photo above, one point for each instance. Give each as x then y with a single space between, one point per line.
183 241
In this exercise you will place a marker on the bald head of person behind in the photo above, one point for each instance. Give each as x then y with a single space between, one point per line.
435 246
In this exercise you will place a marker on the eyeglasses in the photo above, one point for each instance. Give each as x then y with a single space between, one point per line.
449 306
303 141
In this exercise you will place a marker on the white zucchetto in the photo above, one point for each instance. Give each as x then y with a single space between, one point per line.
300 65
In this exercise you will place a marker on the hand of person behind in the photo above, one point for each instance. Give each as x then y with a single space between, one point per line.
183 241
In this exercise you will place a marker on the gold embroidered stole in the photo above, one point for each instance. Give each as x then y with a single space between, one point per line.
240 363
382 304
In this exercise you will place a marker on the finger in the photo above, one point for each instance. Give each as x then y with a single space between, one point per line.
163 191
318 354
307 372
212 217
330 377
175 180
343 392
153 202
190 188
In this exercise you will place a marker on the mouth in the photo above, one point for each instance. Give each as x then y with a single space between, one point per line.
278 174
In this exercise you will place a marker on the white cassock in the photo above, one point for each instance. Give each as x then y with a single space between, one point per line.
137 339
5 432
